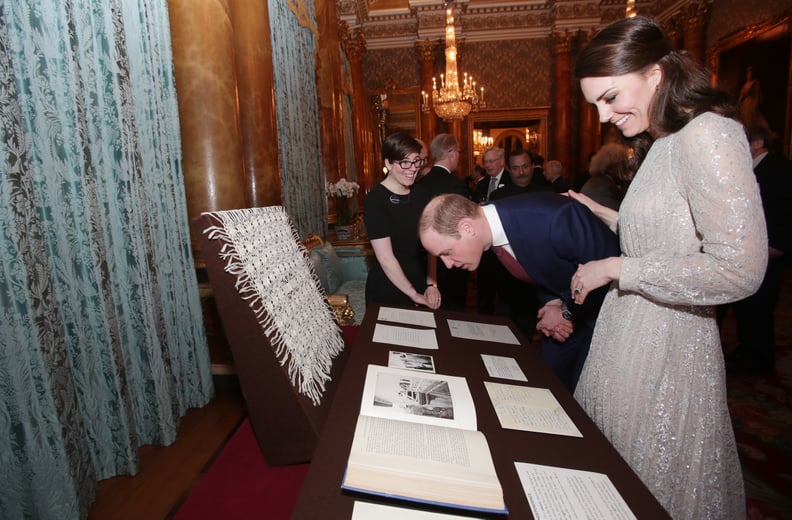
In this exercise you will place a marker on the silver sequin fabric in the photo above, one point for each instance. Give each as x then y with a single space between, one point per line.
693 236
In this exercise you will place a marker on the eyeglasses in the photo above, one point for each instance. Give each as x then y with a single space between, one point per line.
405 164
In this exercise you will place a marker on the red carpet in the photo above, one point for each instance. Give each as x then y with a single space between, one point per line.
239 484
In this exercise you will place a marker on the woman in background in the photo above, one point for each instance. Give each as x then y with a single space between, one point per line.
403 273
692 236
609 175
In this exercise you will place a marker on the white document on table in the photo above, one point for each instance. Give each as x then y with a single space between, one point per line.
559 493
503 367
371 511
409 317
530 409
406 337
482 331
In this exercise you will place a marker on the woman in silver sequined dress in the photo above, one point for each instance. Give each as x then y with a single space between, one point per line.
692 236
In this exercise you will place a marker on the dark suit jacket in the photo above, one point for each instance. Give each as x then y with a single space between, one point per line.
507 190
439 181
481 188
550 235
774 175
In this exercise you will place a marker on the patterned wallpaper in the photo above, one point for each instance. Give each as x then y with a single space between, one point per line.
514 73
399 65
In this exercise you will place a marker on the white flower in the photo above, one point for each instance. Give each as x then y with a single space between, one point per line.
342 188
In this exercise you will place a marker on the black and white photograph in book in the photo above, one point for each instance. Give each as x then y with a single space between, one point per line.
414 395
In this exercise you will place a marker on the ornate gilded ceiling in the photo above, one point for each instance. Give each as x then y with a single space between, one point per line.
400 23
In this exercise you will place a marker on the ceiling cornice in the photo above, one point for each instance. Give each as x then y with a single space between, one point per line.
401 23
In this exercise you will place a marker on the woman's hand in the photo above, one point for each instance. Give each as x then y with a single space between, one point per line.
593 275
587 201
432 297
604 213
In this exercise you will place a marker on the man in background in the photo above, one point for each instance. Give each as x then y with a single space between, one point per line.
442 178
554 173
755 315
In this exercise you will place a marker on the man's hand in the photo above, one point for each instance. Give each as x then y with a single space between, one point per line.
432 295
552 324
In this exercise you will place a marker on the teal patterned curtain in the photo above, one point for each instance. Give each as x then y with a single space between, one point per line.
294 36
102 346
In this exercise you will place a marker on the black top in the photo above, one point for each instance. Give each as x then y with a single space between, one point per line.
396 216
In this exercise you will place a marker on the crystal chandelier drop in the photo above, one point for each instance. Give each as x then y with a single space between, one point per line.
450 102
480 142
629 11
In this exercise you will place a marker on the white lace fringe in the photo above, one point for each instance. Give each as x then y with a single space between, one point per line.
259 244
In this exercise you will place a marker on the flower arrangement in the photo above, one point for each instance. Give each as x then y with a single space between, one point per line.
343 193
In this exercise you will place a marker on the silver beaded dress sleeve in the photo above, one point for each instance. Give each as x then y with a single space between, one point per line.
693 235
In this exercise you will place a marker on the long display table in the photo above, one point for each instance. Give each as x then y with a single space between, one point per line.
322 496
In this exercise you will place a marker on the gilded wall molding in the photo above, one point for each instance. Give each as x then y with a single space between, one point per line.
401 23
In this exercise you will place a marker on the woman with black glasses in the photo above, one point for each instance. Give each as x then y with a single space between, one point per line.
403 273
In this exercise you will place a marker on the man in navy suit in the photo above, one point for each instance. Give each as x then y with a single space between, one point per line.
549 236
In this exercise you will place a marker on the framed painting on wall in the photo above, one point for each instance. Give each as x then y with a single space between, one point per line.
753 66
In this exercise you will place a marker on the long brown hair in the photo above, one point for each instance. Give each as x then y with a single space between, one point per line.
632 45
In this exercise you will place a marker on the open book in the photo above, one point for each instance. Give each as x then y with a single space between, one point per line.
416 440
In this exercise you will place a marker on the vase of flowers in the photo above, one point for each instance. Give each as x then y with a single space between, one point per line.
343 193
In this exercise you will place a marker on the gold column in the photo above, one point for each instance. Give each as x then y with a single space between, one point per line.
561 149
589 128
328 85
256 91
694 17
426 54
203 57
354 44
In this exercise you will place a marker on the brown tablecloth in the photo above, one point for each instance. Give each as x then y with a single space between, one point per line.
322 497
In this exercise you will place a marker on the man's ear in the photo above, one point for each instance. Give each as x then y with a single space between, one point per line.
466 227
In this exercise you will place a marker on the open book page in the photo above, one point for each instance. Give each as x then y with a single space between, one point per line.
482 332
559 493
418 397
530 409
503 367
371 511
408 317
425 463
406 337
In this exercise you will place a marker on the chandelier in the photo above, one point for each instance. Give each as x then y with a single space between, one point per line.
531 138
480 142
450 102
629 11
